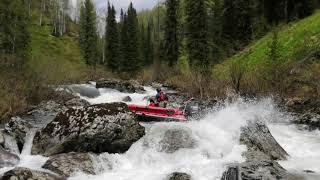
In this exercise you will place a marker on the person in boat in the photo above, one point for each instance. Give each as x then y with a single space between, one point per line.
152 103
161 98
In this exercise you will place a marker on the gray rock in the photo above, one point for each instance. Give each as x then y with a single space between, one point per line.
66 164
28 174
1 138
179 176
122 86
306 111
37 118
175 139
312 120
77 102
8 159
127 99
83 90
254 170
261 156
18 129
257 137
99 128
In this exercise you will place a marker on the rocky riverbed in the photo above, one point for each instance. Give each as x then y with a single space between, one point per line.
96 137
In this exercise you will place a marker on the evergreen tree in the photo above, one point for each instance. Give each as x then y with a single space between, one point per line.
171 44
238 20
112 40
196 34
131 62
123 40
14 35
149 45
88 33
143 44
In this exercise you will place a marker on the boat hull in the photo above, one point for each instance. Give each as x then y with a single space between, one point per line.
157 114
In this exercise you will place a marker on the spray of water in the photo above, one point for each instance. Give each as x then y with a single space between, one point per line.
216 139
217 145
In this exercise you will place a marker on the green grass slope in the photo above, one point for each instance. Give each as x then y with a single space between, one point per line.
296 40
56 59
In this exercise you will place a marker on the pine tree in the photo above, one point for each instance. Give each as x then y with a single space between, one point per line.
14 34
171 44
196 34
238 20
88 33
123 40
131 62
112 40
149 45
143 44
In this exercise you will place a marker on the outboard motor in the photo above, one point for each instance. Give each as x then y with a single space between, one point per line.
191 108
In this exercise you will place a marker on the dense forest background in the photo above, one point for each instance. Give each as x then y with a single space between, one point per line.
203 47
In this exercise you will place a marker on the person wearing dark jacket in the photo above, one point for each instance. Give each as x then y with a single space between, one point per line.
162 98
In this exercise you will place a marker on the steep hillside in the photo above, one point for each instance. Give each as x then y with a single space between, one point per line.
298 54
56 58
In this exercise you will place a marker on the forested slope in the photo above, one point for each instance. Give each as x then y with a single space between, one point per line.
291 52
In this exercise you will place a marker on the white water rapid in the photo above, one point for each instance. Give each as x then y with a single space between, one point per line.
216 144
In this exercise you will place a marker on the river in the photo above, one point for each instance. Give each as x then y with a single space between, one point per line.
217 143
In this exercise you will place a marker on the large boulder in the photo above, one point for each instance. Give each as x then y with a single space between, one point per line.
253 170
28 174
122 86
18 128
8 159
99 128
177 138
257 137
83 90
1 138
37 118
67 164
262 153
179 176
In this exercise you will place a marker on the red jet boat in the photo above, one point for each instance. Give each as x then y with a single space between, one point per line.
151 114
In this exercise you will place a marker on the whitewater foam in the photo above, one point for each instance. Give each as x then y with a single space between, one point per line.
112 95
217 145
302 146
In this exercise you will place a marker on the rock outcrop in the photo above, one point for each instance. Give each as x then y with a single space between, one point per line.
306 111
18 128
83 90
28 174
99 128
177 138
122 86
127 99
8 159
1 139
252 170
257 137
40 116
77 102
67 164
179 176
261 156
